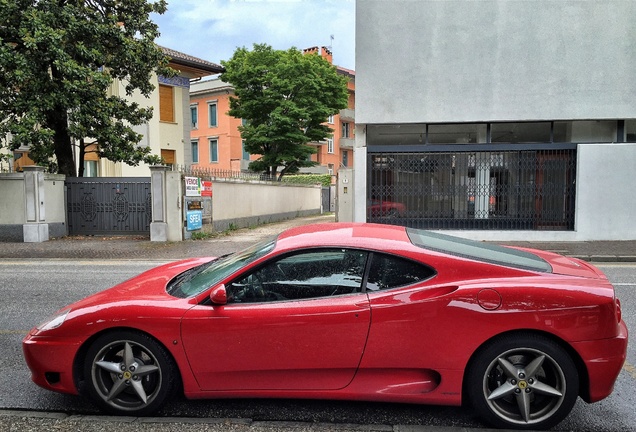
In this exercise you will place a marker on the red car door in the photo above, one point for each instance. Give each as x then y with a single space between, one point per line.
281 341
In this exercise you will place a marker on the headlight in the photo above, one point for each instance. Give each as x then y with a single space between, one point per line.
54 322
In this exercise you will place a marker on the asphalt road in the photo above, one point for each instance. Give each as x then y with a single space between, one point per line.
32 290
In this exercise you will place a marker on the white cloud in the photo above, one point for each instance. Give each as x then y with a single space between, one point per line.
213 29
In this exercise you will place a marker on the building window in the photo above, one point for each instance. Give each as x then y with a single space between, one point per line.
214 149
246 155
90 168
330 168
593 131
195 151
330 121
330 145
469 133
515 133
166 103
345 158
345 130
212 114
630 130
194 116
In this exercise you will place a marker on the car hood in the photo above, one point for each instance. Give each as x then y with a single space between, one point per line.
149 286
568 266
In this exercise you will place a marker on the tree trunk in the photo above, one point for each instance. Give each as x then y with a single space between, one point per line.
58 120
82 155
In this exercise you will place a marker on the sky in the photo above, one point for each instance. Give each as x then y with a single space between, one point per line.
213 29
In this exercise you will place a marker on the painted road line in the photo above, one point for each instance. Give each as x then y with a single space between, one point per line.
14 332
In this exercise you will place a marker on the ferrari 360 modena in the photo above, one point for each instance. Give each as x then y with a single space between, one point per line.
347 311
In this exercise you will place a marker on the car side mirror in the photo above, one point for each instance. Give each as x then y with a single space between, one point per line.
218 296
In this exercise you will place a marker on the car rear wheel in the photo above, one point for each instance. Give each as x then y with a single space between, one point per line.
522 382
129 373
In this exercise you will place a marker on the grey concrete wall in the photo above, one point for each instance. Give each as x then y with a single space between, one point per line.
12 199
13 206
243 204
494 60
606 200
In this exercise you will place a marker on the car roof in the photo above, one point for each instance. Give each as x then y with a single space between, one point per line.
363 235
394 238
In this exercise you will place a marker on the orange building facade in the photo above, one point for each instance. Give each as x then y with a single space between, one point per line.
216 142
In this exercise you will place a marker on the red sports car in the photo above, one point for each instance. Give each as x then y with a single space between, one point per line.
347 311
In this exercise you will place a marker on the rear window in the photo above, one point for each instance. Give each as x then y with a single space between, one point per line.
479 251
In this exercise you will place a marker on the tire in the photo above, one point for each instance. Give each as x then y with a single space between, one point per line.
129 373
522 382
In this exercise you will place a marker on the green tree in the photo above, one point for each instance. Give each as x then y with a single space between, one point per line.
58 59
285 97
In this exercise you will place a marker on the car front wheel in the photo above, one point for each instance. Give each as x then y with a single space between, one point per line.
522 382
129 373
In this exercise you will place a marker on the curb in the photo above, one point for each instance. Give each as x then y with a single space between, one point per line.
606 258
154 423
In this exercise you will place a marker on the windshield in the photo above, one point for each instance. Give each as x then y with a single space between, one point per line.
196 280
479 251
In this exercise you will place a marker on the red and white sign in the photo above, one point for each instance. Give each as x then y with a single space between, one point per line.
206 188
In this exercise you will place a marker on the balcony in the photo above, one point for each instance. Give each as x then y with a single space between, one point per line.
348 114
346 143
318 169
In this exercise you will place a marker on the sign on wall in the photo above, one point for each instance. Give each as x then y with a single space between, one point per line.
206 188
194 220
192 186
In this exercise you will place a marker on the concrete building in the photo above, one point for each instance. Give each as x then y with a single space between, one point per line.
497 120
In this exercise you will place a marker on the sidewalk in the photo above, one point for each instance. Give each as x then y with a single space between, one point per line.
130 247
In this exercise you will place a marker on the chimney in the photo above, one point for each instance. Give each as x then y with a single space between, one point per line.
312 50
326 54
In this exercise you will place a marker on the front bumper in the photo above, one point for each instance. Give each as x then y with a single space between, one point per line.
51 361
604 360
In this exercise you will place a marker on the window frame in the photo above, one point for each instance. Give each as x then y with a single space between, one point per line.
214 155
330 146
346 130
194 116
194 148
212 123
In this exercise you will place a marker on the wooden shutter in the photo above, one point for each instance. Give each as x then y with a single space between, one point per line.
166 103
168 157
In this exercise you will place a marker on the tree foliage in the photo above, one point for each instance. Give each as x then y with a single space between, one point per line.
58 60
285 97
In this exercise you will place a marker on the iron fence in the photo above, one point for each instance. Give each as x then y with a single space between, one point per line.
530 189
208 174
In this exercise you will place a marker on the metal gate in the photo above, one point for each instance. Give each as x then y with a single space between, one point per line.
108 205
496 188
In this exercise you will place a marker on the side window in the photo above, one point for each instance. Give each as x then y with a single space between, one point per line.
389 271
305 275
